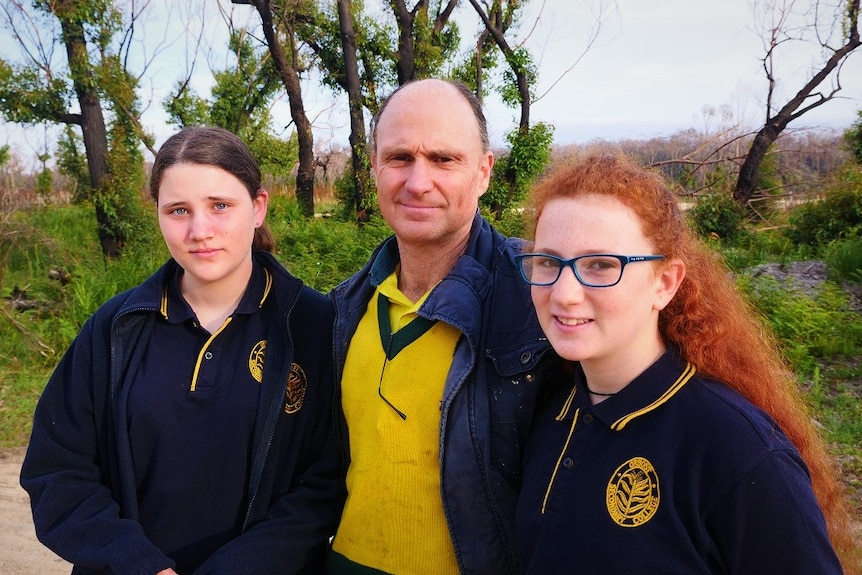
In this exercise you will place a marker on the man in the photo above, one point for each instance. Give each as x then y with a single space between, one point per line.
436 341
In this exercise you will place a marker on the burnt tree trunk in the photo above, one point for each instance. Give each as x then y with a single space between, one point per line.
405 66
290 78
804 100
92 123
358 147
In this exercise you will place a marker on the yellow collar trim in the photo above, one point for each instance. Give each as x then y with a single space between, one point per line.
686 375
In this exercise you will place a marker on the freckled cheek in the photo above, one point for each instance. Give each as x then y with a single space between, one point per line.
541 300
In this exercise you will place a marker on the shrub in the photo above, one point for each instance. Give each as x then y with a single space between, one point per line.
844 260
853 138
838 215
718 214
322 252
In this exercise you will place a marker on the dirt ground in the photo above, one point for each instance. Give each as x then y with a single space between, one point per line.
21 553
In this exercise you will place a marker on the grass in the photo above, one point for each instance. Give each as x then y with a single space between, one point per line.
835 391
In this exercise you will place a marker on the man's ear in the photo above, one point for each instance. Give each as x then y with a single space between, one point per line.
486 166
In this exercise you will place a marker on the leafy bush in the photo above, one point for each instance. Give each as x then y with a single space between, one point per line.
844 260
322 252
717 214
512 222
853 138
838 215
512 175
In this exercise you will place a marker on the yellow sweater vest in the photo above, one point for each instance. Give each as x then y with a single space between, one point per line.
393 519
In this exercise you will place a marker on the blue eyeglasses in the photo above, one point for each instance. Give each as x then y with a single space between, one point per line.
592 270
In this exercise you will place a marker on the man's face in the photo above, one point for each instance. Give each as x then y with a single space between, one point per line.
430 165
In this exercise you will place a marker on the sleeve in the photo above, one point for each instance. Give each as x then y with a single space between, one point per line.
67 473
294 535
771 523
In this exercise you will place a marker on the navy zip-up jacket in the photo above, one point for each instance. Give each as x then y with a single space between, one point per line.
490 390
78 467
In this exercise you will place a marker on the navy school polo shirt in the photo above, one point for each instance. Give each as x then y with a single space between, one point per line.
673 474
192 410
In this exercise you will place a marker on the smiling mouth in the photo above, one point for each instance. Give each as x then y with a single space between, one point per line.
569 321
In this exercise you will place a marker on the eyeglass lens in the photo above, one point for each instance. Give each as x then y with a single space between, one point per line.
592 270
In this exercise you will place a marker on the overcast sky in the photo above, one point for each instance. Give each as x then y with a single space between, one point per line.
654 69
658 65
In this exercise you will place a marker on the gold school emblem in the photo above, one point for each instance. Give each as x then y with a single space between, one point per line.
296 385
255 360
632 495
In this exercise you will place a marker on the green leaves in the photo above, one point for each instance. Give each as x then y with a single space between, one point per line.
28 97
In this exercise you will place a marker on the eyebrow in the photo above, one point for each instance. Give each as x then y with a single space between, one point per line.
224 199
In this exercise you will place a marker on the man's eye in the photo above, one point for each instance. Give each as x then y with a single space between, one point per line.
220 206
179 211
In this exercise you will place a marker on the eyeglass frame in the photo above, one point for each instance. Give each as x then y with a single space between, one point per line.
570 263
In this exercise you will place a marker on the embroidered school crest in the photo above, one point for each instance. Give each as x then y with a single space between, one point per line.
632 495
295 393
255 360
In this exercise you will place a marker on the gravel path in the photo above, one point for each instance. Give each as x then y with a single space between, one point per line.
20 551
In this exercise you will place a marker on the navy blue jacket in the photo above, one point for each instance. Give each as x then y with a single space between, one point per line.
490 390
78 467
675 474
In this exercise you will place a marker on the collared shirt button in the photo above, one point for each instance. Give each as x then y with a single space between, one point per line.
208 355
588 418
568 462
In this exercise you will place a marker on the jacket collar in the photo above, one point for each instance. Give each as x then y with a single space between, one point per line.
464 287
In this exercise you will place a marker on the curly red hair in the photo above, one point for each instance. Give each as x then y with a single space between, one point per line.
714 327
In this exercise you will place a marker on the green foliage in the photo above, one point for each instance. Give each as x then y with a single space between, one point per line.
844 260
240 102
33 244
275 156
853 138
374 38
185 108
837 215
26 97
717 214
323 252
120 197
242 94
769 180
4 155
346 194
513 174
72 163
432 48
45 182
512 222
809 328
749 249
520 62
